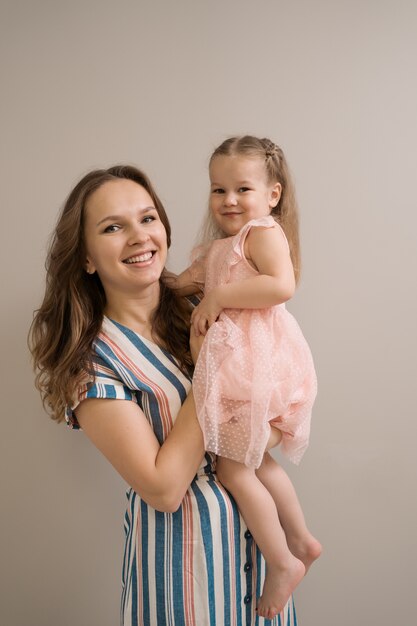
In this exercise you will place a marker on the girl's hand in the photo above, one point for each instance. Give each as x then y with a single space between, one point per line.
171 279
196 341
183 283
206 313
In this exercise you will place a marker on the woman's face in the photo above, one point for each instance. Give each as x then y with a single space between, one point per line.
125 239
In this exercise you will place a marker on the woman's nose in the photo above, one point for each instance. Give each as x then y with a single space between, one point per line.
137 234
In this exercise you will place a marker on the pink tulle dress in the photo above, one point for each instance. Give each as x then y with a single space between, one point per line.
254 367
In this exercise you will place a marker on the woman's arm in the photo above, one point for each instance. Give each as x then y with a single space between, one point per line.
267 250
161 475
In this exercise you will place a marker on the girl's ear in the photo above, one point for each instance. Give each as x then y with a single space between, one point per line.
275 195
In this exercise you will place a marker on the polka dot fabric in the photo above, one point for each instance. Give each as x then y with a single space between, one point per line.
254 368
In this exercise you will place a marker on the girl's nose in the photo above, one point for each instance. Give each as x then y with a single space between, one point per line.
230 199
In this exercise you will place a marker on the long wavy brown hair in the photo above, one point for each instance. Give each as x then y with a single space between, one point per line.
63 330
277 171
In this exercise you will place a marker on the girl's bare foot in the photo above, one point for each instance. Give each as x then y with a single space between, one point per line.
279 584
306 548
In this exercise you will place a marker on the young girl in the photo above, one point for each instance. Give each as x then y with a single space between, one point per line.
254 369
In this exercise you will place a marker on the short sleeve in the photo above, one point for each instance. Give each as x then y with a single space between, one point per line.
106 384
238 240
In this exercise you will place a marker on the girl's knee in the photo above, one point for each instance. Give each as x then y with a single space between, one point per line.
230 473
223 472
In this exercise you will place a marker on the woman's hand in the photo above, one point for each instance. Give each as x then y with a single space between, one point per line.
206 313
275 437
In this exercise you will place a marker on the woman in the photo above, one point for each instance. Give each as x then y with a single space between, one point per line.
110 343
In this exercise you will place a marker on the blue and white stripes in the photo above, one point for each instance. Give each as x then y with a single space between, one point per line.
195 567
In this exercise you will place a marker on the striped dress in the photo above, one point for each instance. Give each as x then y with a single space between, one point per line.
198 566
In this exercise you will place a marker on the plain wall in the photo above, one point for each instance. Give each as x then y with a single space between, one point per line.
91 83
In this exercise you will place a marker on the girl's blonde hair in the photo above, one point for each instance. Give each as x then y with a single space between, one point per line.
64 327
277 171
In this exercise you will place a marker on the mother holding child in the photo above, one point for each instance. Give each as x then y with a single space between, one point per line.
112 348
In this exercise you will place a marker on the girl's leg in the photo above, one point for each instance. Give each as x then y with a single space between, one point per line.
283 570
299 539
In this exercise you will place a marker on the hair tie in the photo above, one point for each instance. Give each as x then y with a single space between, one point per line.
271 151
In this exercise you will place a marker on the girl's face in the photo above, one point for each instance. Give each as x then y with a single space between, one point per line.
125 239
240 191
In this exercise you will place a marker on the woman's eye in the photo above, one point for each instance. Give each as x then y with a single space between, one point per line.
113 228
148 218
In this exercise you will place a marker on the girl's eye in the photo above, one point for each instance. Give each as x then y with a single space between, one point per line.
219 190
243 189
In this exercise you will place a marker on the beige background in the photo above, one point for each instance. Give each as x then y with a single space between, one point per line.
91 83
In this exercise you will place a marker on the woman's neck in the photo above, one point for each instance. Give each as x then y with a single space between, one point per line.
134 311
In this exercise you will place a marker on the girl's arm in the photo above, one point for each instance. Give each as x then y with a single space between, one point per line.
162 474
183 283
267 250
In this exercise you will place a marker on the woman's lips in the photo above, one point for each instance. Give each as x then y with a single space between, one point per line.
139 258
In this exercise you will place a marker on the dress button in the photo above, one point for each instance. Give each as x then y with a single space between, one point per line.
248 534
247 598
247 567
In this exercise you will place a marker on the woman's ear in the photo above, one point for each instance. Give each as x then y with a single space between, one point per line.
275 195
89 267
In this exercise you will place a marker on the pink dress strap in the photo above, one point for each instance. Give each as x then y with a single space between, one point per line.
263 222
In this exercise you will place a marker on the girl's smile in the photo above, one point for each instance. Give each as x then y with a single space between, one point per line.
240 191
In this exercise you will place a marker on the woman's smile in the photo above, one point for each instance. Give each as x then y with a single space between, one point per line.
125 239
141 259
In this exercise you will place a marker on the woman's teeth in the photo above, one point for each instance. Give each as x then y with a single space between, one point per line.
139 259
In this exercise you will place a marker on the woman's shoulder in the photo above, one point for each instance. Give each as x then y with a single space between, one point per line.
125 363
